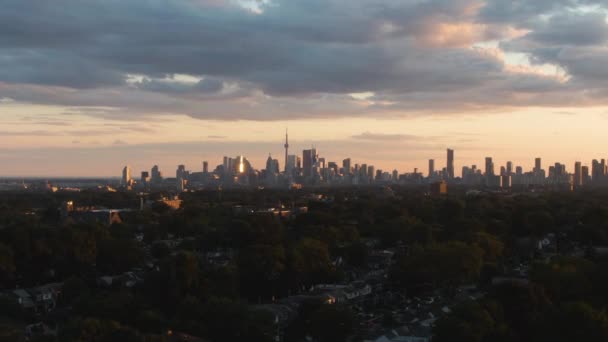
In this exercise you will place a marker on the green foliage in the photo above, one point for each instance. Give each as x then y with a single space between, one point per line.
469 321
332 323
448 264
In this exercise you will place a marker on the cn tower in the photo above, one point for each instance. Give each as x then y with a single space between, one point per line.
286 148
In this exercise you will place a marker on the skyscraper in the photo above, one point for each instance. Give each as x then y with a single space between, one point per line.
431 167
205 167
537 165
156 175
180 172
126 175
145 177
578 174
450 164
291 164
585 172
370 173
509 168
307 162
346 166
286 149
489 166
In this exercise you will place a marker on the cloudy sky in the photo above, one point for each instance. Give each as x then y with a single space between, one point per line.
89 86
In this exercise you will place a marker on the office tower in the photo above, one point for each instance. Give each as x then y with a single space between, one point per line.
291 164
205 167
286 149
157 176
333 166
126 176
503 171
505 181
578 174
585 174
431 167
180 172
370 172
363 170
450 165
321 163
537 165
465 172
346 166
489 166
145 177
228 165
309 160
519 170
509 168
395 176
272 165
559 170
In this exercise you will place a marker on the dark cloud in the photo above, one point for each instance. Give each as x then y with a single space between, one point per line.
296 58
572 29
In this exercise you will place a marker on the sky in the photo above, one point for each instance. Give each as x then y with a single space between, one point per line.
87 87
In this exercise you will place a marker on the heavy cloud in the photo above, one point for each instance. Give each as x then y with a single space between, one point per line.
280 59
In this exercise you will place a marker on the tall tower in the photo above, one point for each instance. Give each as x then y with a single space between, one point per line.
286 148
126 175
450 164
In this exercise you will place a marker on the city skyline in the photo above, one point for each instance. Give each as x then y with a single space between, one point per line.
389 82
310 163
258 160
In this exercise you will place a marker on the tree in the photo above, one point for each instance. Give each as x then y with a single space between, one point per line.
467 322
310 262
446 264
492 247
332 323
118 255
72 289
7 263
578 321
260 268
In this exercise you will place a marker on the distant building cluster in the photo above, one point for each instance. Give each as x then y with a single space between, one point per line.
311 169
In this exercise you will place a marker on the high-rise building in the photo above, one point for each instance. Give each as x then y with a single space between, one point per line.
370 173
346 165
156 175
308 161
509 168
180 172
363 170
291 164
286 149
272 165
431 167
126 176
585 173
450 164
537 165
489 166
145 177
205 167
578 174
